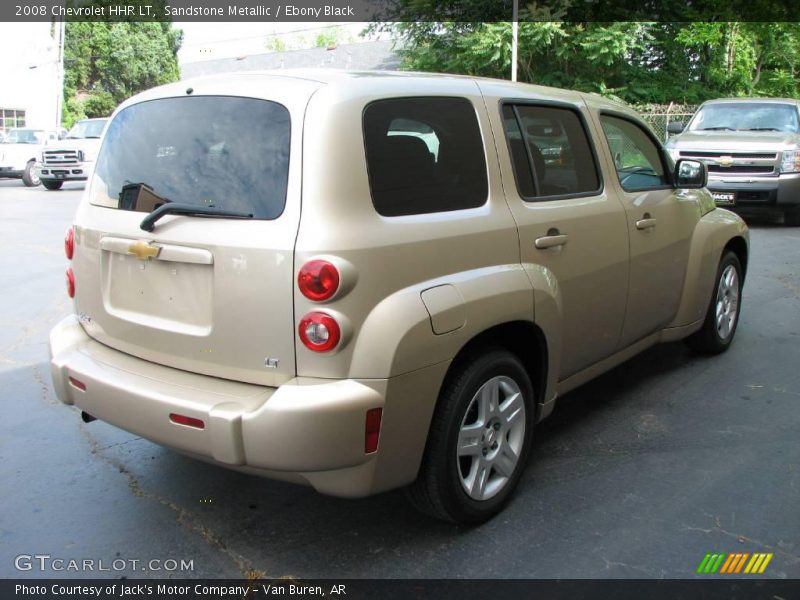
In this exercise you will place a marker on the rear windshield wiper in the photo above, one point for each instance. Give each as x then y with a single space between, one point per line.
717 129
177 208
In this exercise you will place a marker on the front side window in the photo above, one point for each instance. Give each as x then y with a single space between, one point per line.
551 153
424 155
637 158
215 151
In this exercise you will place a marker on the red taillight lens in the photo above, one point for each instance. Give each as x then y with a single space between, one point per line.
70 283
319 332
318 280
69 243
372 430
188 421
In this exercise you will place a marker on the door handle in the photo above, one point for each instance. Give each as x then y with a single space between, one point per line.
551 240
646 222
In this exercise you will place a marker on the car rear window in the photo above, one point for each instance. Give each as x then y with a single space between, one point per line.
217 151
424 155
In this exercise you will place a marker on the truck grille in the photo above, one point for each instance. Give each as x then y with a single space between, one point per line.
742 169
742 155
59 158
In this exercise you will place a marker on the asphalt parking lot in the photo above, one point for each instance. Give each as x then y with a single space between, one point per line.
638 474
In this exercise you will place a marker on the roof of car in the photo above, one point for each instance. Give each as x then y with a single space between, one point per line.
430 82
759 100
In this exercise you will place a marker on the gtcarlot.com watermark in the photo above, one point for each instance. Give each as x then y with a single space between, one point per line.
47 562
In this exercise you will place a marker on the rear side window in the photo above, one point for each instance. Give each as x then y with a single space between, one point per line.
218 151
550 152
424 155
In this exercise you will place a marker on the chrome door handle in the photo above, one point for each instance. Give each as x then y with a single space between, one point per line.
550 241
646 222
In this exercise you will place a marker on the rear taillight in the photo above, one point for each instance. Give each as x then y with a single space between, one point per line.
70 283
69 243
318 280
372 430
319 332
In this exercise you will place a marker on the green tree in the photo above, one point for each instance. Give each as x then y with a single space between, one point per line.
105 63
638 62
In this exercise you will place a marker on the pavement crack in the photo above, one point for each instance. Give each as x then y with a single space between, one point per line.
184 517
717 528
44 387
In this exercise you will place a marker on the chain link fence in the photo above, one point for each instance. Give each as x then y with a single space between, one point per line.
658 116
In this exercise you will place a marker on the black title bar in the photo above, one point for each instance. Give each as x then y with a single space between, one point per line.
401 10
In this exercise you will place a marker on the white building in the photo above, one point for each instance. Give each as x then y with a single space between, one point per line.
30 75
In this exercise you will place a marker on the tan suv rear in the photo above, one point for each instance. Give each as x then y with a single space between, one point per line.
362 281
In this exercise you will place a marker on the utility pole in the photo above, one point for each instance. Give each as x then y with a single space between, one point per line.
514 39
60 33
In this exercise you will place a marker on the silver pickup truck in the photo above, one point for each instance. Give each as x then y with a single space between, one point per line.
751 147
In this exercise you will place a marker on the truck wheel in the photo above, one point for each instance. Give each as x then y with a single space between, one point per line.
479 440
52 184
791 217
29 177
722 316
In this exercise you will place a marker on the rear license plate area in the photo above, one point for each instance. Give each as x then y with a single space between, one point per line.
167 295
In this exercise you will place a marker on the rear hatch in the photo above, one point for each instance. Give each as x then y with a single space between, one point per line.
208 293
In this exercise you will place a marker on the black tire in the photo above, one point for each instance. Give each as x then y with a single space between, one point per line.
710 339
791 217
438 490
29 177
52 184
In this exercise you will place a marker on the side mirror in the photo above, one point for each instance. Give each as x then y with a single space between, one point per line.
675 127
690 174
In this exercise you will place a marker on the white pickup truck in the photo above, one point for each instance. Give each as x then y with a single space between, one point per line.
19 151
71 159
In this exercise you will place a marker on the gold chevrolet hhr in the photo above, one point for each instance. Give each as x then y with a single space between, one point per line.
361 281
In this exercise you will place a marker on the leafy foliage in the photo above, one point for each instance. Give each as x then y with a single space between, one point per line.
637 62
106 62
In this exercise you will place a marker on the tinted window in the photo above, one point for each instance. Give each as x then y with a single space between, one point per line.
424 155
550 150
229 153
637 158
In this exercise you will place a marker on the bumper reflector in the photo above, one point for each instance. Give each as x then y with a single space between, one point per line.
372 430
188 421
77 384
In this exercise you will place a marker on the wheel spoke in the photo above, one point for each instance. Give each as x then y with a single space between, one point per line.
512 409
506 461
478 486
469 440
489 398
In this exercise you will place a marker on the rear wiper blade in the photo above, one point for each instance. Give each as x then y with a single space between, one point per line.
177 208
717 129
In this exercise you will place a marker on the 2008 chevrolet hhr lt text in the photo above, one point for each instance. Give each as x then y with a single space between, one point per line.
362 281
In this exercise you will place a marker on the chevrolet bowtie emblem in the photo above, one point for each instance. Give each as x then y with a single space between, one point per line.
143 250
725 161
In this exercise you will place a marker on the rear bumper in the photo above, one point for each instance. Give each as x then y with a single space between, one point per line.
760 192
307 430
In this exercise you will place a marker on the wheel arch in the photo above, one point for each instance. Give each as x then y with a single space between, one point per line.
524 339
739 247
